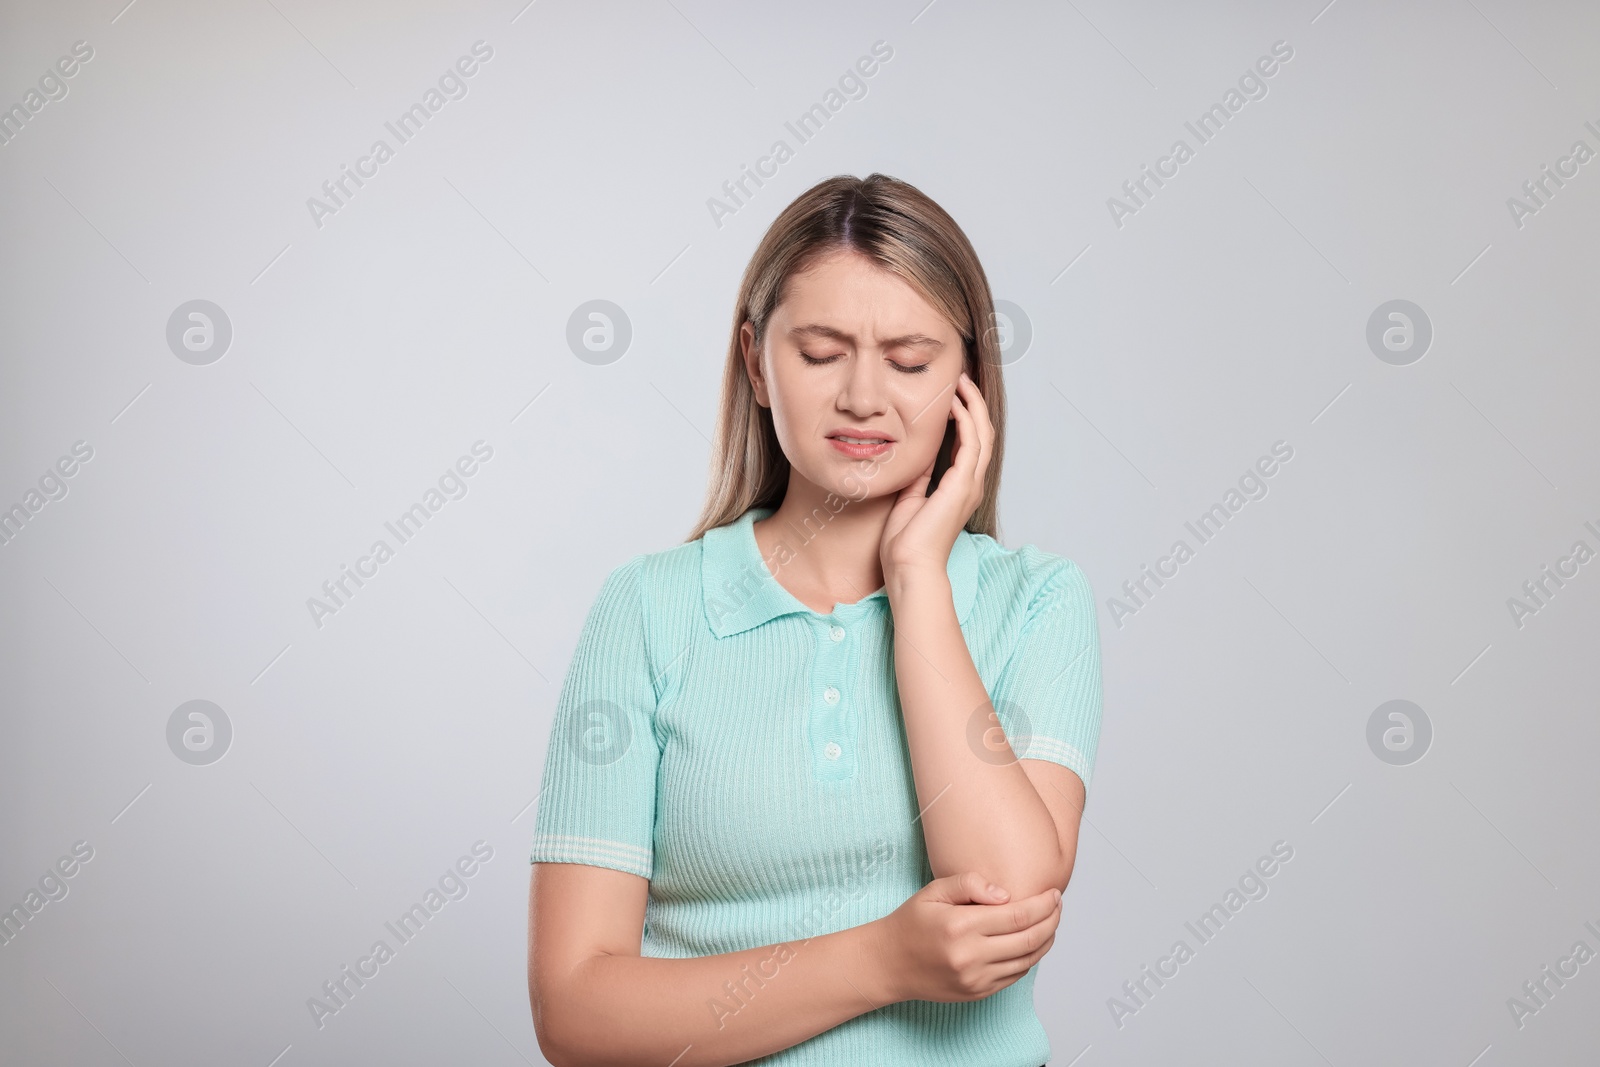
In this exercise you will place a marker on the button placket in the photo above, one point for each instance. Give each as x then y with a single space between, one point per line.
833 726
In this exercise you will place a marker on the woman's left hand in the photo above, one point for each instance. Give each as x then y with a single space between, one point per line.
922 529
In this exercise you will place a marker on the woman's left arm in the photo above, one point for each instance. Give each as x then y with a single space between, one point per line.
1014 821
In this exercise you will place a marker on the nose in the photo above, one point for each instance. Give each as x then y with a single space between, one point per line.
862 393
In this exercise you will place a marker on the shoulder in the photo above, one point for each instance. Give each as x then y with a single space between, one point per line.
673 572
1028 579
663 586
652 601
669 572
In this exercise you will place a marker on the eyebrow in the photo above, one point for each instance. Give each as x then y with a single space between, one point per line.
822 330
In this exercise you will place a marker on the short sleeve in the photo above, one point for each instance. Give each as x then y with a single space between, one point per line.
598 797
1047 696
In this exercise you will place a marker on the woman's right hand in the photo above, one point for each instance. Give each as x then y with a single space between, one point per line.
956 940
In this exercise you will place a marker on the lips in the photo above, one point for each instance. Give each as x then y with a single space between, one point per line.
861 444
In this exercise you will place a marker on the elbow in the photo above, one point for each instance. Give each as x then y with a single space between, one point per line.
556 1051
1057 871
1035 879
1061 871
550 1026
1023 880
565 1024
544 1034
1064 875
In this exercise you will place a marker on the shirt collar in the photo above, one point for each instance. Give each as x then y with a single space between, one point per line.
740 592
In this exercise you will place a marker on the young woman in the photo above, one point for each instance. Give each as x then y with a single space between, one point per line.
814 780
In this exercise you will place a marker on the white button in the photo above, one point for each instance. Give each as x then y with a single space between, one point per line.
832 750
831 695
837 633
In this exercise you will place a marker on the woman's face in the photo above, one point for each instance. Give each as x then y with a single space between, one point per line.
854 351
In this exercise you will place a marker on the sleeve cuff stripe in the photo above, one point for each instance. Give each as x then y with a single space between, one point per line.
548 855
1049 748
616 851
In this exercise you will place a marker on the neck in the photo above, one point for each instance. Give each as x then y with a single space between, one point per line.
828 549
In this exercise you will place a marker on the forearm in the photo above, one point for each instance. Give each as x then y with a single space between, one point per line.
980 811
715 1010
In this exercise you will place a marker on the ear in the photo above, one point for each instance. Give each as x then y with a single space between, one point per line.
752 363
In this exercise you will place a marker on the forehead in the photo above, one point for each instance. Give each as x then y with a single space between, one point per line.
847 294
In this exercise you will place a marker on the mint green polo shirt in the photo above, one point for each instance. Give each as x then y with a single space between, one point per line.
747 755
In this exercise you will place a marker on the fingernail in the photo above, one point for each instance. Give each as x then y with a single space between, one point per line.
1058 895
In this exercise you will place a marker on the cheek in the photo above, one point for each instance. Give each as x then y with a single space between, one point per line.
785 404
795 413
926 414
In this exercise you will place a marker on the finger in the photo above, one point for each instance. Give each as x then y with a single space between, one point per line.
1019 942
1017 915
974 431
996 976
978 410
969 888
964 462
918 486
1016 968
1022 943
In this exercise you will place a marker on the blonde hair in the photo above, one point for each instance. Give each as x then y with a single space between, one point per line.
902 230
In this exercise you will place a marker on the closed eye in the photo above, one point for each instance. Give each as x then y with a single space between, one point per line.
916 369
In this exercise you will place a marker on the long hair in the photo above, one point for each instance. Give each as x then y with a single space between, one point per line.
900 229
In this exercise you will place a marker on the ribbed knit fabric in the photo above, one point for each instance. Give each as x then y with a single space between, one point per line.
747 755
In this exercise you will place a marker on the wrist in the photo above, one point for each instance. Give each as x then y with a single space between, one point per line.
916 583
874 963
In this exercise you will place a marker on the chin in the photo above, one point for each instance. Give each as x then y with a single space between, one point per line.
862 487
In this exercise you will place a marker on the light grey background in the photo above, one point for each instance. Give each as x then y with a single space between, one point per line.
1168 354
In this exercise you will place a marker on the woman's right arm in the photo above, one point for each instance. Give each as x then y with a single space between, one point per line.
595 1000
